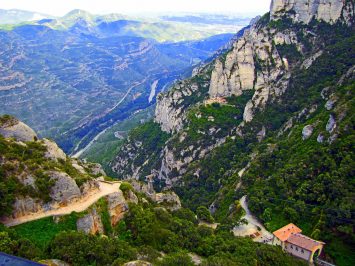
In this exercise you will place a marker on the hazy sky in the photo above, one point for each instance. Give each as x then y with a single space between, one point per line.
61 7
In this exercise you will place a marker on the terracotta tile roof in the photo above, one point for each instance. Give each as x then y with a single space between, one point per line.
304 242
284 233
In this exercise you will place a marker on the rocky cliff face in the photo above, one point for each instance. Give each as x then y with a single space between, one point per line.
262 63
91 223
46 175
170 112
304 11
253 64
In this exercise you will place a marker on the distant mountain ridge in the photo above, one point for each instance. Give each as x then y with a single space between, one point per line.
16 16
163 29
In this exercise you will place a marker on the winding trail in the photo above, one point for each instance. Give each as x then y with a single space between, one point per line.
252 227
105 188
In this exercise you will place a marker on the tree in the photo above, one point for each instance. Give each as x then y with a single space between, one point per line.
204 214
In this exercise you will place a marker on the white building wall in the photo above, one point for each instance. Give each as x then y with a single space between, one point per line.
297 251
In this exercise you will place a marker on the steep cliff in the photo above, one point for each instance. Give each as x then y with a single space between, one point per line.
281 94
304 11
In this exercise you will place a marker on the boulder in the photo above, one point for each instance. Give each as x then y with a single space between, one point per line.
331 125
307 132
65 188
320 138
90 223
18 130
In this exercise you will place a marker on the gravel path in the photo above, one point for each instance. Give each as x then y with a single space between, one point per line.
252 226
82 204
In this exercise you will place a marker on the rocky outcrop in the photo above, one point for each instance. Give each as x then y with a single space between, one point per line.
26 205
307 132
247 67
91 223
53 151
170 109
304 11
65 189
169 200
331 124
18 130
117 207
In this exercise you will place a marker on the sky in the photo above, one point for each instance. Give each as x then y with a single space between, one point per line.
61 7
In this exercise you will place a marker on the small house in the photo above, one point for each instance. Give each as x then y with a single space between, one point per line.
293 242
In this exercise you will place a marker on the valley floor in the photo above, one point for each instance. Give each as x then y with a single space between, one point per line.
82 204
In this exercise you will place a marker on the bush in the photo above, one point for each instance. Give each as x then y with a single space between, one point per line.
204 214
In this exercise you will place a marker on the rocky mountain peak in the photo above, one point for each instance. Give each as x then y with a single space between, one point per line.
304 11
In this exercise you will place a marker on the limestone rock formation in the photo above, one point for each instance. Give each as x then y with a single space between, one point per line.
247 68
53 151
170 111
18 130
305 10
90 223
25 205
169 200
307 132
65 189
117 206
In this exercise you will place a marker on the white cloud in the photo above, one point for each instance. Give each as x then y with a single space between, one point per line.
61 7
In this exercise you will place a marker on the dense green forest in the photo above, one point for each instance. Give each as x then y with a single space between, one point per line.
147 231
288 178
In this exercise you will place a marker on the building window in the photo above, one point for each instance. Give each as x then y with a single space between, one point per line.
291 247
302 251
297 248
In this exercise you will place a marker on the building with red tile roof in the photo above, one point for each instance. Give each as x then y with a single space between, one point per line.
293 242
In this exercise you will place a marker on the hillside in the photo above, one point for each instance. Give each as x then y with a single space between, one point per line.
77 84
57 211
279 107
36 175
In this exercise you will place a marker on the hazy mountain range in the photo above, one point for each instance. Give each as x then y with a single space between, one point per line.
72 77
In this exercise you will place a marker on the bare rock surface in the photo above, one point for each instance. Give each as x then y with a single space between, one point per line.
305 10
307 132
117 206
20 131
53 151
90 223
65 189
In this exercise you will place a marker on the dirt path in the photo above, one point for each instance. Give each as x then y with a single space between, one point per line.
253 225
77 206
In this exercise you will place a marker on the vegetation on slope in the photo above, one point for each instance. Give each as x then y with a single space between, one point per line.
146 231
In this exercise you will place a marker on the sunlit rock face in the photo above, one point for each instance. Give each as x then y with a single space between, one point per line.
304 11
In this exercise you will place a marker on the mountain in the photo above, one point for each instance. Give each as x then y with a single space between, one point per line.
15 16
272 118
162 29
76 84
59 210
